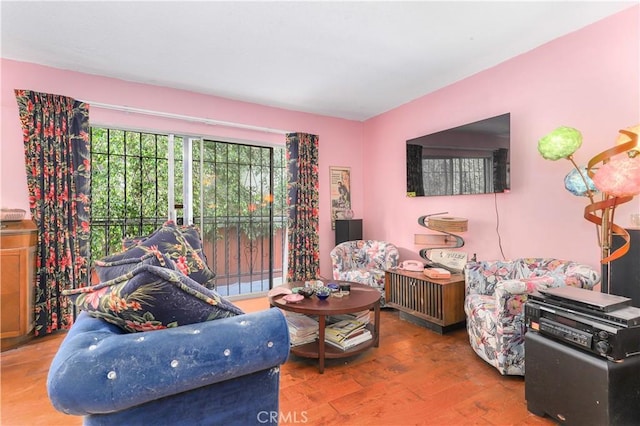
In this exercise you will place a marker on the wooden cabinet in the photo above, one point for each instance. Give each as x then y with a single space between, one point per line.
17 268
432 303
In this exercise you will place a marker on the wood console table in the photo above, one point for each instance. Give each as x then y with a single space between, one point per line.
432 303
17 255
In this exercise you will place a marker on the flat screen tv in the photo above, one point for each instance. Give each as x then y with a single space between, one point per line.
469 159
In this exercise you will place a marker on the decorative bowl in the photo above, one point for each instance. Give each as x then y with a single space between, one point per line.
333 286
306 291
323 293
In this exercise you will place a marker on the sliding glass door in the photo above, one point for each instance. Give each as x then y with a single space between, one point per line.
234 193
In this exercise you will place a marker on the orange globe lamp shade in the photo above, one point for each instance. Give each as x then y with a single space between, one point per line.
623 138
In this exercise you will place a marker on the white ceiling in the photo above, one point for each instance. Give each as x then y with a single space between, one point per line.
350 59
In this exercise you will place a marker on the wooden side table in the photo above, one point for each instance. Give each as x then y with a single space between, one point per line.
437 304
360 298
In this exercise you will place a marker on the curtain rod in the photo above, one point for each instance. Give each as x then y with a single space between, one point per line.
186 118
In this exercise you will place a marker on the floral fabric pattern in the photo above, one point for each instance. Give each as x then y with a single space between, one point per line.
56 145
170 240
364 261
302 202
191 233
155 295
496 292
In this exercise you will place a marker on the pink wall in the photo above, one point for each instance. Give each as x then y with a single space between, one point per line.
340 140
588 80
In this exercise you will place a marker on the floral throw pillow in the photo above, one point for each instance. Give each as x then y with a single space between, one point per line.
190 233
172 242
152 297
111 270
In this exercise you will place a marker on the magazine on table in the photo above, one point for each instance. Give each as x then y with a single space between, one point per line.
344 330
362 336
362 316
302 329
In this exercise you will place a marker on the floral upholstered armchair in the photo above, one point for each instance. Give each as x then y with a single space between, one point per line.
494 297
365 262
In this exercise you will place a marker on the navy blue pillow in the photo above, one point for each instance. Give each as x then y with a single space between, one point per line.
152 297
170 241
110 270
190 233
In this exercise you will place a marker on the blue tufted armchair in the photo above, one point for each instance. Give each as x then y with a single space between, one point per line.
495 295
364 261
224 371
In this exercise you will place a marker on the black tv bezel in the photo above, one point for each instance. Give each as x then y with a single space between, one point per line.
491 129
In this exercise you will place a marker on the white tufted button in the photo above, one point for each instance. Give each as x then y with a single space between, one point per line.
93 347
227 352
270 344
243 322
140 339
111 375
196 331
174 363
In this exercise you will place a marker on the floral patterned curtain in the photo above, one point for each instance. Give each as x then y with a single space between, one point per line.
302 201
56 146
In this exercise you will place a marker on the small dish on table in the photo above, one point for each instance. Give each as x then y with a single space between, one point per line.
293 298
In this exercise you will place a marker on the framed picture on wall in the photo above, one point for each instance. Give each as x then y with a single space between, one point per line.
340 194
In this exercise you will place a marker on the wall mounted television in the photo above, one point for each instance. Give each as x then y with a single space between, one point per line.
469 159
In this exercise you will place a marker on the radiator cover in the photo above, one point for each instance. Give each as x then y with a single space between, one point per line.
437 304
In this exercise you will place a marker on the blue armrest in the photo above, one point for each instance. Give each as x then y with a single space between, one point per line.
100 369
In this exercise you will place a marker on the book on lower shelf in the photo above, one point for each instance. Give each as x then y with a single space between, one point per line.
363 336
347 333
302 329
362 316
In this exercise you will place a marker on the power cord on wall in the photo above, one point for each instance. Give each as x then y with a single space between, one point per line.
495 200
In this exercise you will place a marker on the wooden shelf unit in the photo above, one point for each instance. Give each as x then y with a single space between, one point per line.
17 256
437 304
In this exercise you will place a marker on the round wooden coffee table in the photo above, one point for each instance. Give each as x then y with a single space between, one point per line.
360 298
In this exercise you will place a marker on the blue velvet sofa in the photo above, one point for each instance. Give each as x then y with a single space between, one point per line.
222 372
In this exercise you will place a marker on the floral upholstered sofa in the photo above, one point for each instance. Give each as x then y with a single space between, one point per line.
365 262
495 294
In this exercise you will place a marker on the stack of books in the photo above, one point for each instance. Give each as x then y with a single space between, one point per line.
302 329
346 334
362 316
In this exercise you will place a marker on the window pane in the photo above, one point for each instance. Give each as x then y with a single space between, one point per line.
130 193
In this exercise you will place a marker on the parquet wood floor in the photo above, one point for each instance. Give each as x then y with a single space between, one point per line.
415 377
